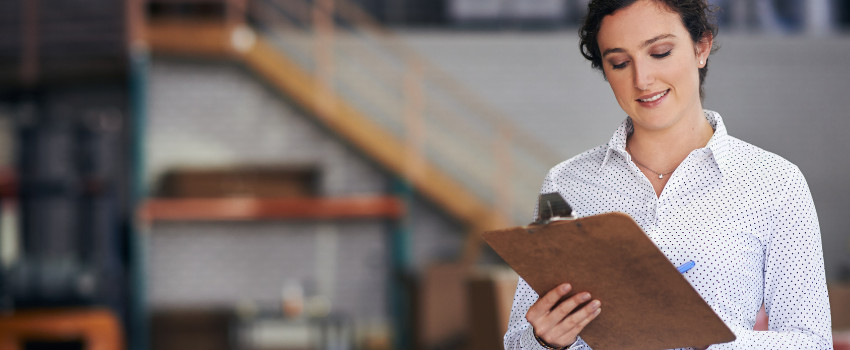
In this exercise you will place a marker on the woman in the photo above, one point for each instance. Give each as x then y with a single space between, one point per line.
744 215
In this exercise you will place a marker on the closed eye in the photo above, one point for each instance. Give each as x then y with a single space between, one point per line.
619 66
662 55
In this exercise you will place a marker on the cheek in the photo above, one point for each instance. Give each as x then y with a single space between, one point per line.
619 82
687 71
622 88
623 91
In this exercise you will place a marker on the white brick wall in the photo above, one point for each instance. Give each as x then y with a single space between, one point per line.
215 113
220 264
208 114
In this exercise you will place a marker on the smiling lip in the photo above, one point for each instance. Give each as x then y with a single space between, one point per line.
653 97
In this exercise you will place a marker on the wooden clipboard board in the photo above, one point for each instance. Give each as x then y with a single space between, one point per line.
646 302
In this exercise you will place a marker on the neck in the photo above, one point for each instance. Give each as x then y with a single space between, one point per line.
663 150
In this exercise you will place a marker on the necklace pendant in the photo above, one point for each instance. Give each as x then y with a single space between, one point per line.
660 176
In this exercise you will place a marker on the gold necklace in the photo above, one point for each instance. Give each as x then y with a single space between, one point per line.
660 175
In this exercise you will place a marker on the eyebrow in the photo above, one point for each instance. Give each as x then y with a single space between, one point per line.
644 44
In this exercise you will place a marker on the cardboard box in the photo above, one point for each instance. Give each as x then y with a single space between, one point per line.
839 304
490 297
198 329
442 307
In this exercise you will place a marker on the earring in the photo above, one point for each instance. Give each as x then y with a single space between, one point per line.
701 62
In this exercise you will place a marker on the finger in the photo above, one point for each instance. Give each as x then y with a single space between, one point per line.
557 323
567 306
590 312
571 336
542 306
575 323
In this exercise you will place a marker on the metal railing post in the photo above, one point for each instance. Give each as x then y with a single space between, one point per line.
413 119
323 26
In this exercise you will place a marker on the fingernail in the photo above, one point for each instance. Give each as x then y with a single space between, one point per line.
596 303
598 311
566 287
585 297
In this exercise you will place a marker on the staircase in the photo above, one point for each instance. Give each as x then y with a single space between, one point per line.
366 85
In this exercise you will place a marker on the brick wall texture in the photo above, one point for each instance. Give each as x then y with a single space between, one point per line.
204 114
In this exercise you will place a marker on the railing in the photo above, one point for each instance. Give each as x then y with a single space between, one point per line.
374 71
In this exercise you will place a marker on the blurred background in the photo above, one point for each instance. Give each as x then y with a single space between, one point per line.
314 174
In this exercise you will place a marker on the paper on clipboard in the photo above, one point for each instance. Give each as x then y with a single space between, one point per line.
646 302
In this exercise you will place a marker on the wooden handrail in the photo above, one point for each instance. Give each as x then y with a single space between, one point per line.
369 137
444 101
339 116
392 43
172 36
361 19
244 209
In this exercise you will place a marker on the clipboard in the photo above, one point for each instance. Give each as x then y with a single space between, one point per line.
646 302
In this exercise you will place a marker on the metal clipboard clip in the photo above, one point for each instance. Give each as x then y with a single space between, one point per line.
552 207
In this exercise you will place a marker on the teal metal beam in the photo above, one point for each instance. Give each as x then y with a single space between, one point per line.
138 336
401 268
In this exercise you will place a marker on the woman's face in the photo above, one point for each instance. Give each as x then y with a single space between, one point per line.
652 64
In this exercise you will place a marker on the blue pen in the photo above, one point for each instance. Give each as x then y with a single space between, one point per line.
686 266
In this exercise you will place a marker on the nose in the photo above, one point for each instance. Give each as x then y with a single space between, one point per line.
643 75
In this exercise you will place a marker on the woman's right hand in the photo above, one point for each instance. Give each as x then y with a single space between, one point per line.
554 321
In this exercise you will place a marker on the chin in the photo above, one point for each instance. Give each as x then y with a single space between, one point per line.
652 120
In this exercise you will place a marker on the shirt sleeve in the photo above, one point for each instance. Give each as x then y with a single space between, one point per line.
795 294
520 335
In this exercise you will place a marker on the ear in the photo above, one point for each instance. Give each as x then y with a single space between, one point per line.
703 48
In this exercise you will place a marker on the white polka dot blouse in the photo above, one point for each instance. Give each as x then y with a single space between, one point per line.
744 215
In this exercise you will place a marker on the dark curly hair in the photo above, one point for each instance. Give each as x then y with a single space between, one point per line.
697 17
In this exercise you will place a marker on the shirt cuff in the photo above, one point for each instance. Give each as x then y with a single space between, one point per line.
579 345
528 342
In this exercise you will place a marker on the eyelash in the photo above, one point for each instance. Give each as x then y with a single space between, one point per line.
662 55
657 56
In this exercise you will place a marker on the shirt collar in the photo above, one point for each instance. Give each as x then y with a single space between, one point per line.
718 144
617 143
